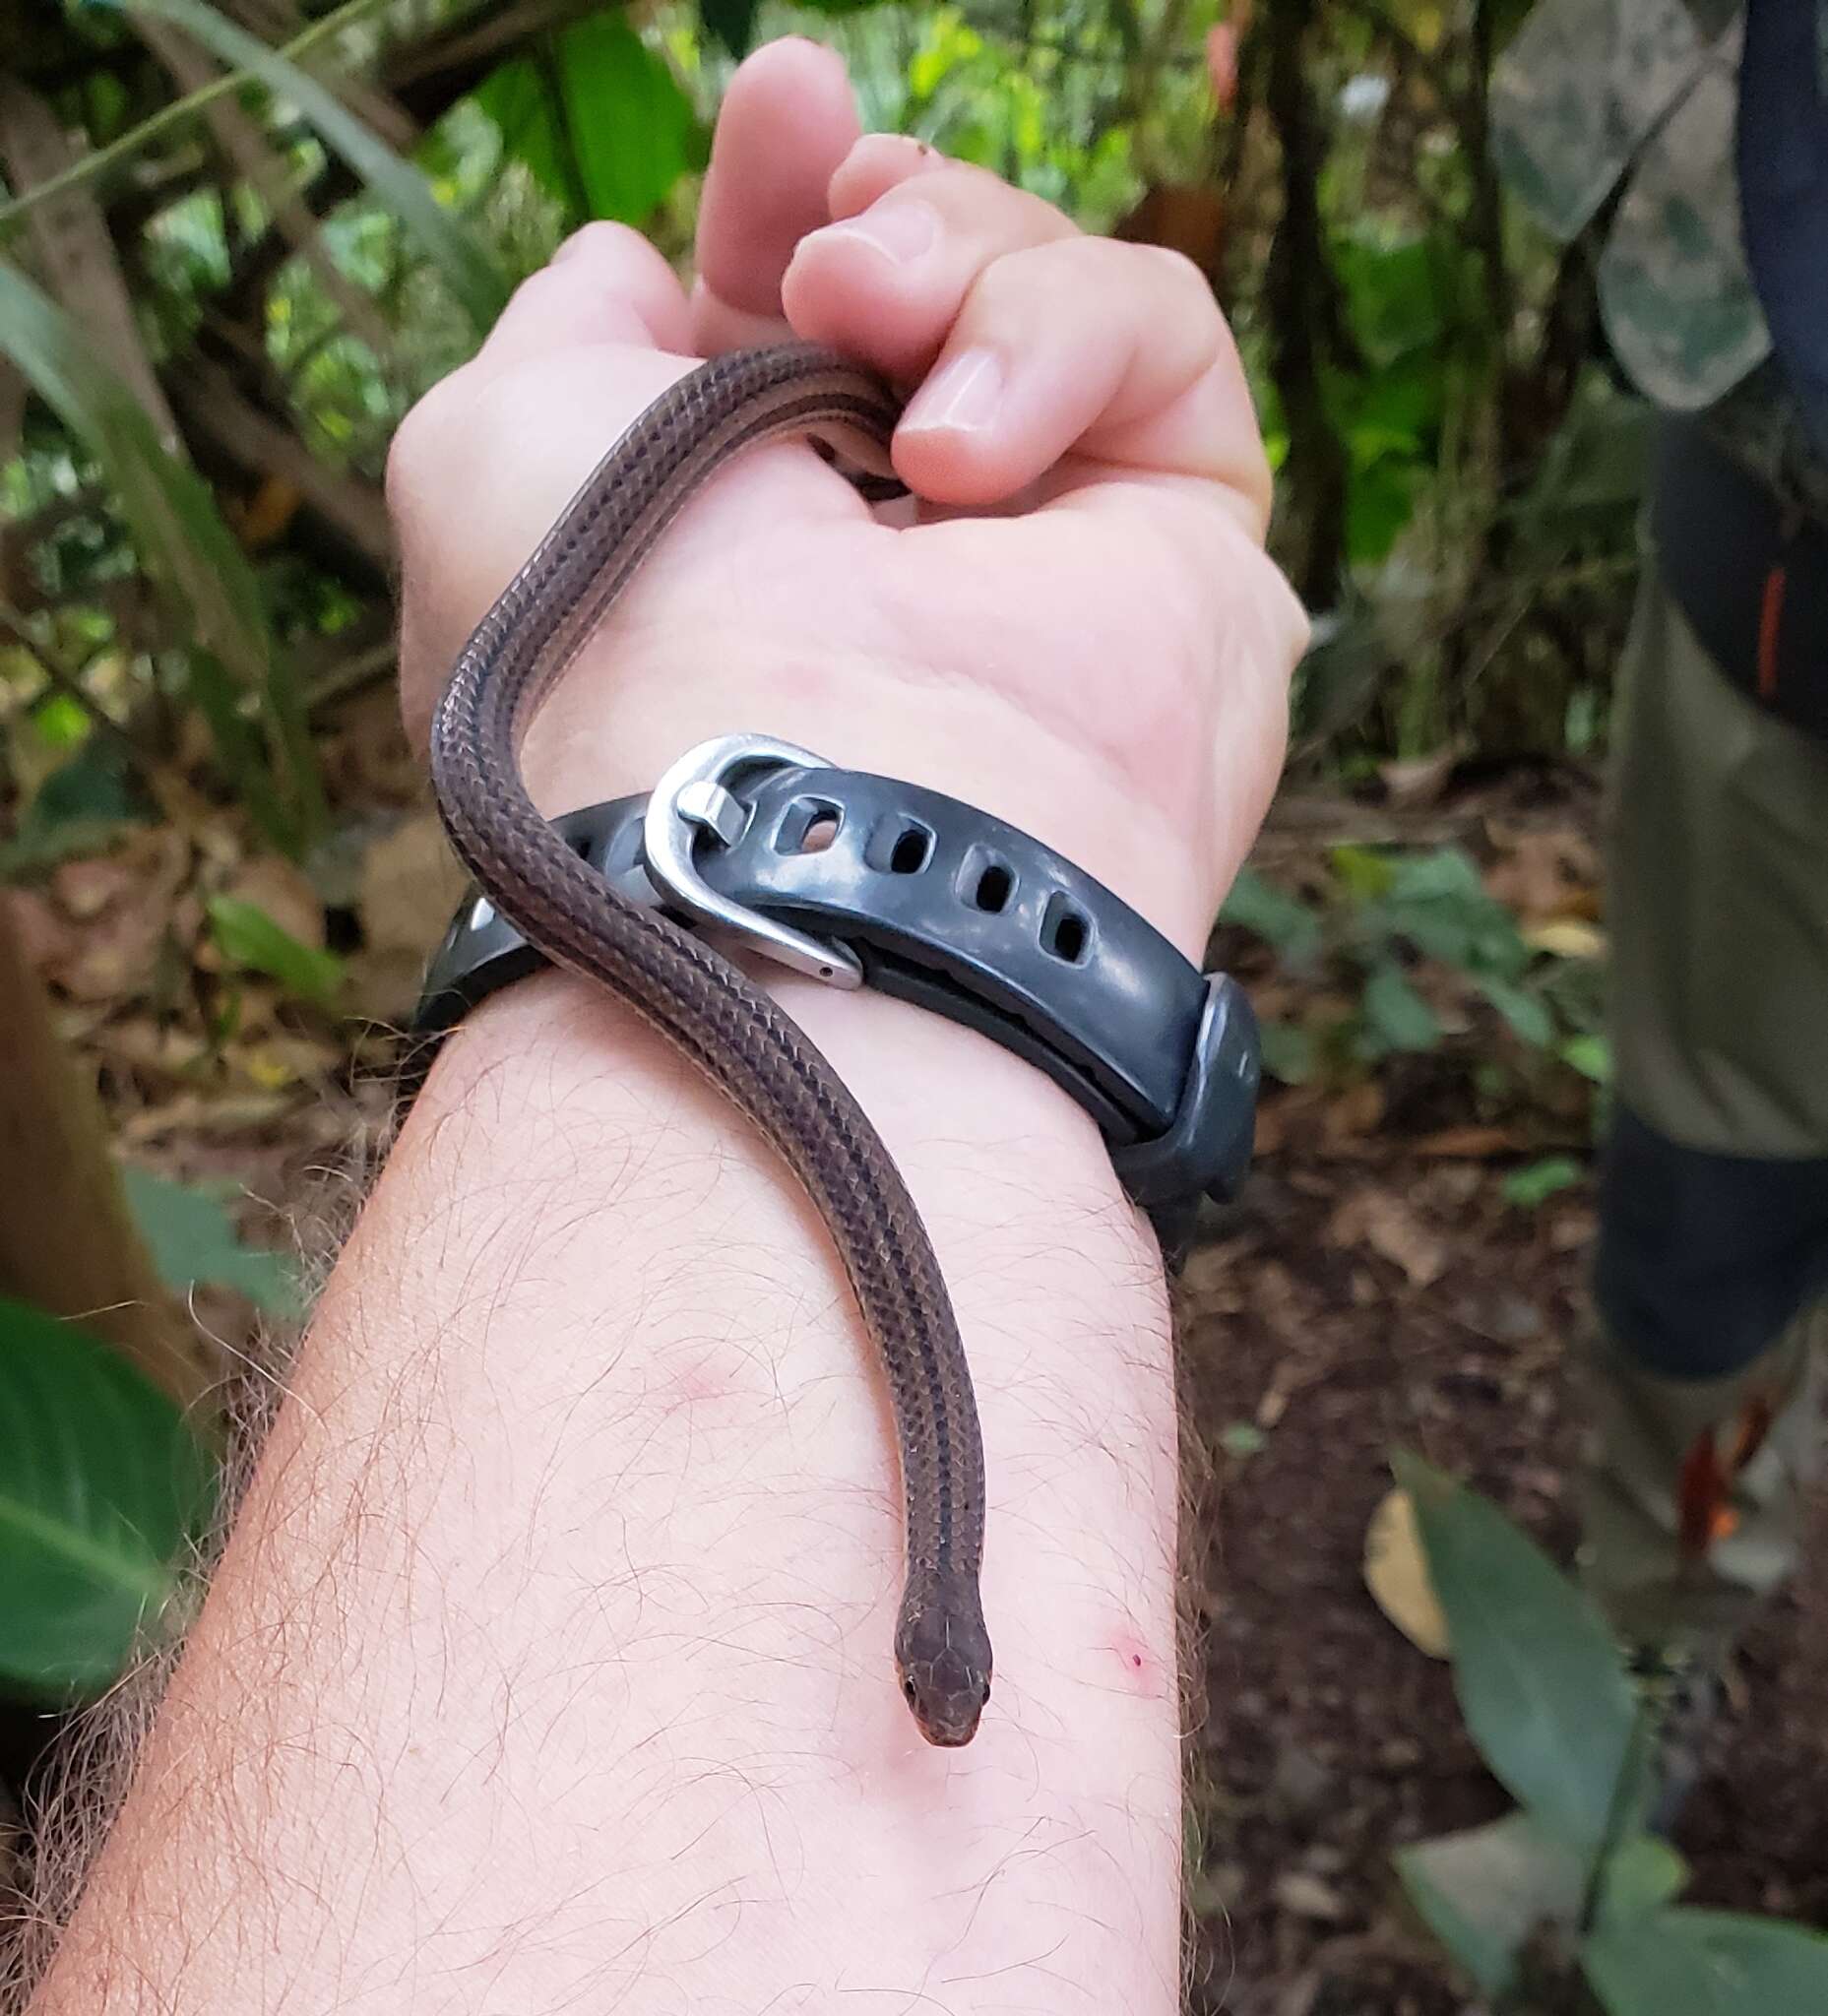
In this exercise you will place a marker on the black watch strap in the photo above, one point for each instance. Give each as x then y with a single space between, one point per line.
937 904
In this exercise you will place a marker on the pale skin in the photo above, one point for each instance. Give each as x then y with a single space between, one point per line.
549 1664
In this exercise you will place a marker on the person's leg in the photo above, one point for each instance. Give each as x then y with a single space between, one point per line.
1703 1383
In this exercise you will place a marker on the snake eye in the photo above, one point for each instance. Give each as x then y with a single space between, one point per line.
908 1689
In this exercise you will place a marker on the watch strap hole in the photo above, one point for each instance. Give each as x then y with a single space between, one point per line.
1065 930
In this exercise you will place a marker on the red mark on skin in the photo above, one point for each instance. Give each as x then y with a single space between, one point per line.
1136 1664
708 1379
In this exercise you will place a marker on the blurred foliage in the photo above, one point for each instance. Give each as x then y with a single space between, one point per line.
1377 940
103 1487
1571 1885
313 212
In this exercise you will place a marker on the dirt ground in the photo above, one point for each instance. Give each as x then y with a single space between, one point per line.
1327 1739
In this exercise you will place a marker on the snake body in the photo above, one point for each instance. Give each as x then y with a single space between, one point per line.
698 1000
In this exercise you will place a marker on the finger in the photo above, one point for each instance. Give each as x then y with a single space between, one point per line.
1115 353
877 164
786 122
886 283
605 283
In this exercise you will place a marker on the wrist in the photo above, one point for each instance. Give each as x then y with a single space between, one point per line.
990 1148
612 729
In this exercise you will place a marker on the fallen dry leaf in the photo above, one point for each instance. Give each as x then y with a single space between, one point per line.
1569 1231
1385 1224
1396 1572
1544 872
84 889
1358 1110
1274 1402
1567 938
1468 1144
1308 1897
1417 781
409 886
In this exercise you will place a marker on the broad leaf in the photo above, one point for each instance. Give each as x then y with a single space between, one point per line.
1396 1015
1541 1683
1641 1875
1281 920
101 1485
1438 903
600 120
192 1238
1289 1053
1527 1013
446 239
1484 1891
1707 1963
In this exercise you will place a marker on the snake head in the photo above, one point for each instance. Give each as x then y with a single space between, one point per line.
944 1656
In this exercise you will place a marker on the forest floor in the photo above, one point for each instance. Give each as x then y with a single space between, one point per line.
1376 1287
1326 1739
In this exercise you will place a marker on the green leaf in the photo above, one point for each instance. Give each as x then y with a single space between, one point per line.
1541 1683
246 936
1527 1013
1707 1963
1484 1891
1380 502
1438 903
192 1238
1397 1017
1590 1055
446 239
1538 1182
1362 872
1242 1439
1445 874
517 97
599 119
1289 1053
632 128
186 550
101 1484
1281 920
1642 1874
61 722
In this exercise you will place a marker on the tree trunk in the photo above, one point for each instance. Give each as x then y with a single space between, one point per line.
67 1243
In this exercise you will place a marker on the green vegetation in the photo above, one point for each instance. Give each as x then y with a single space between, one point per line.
1570 1884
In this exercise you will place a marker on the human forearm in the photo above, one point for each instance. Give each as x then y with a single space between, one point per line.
553 1654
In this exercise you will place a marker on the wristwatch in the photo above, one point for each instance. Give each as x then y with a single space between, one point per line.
861 880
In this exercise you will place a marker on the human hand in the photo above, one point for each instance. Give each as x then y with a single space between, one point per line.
1081 633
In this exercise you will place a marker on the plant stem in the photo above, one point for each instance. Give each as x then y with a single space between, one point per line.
104 160
1644 1726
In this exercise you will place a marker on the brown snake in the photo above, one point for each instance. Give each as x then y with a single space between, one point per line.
732 1032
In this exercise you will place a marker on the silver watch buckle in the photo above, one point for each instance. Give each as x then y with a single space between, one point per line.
693 804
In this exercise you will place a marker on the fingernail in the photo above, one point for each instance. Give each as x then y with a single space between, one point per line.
961 397
900 232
